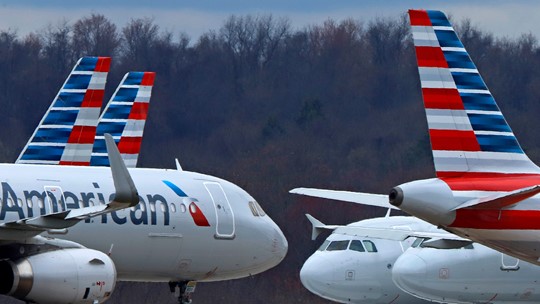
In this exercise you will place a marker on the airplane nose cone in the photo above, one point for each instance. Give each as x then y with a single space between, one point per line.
280 245
317 274
409 272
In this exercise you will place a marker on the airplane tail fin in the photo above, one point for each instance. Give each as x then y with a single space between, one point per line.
66 133
468 132
124 118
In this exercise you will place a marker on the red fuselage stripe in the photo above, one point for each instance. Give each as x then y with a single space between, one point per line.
497 219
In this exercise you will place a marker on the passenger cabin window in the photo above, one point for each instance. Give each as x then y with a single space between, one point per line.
338 245
253 209
356 246
324 245
370 247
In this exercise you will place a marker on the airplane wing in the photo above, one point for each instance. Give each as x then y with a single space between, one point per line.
125 196
377 200
440 240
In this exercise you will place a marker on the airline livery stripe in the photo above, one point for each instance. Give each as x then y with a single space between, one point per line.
436 78
493 133
74 163
82 135
419 17
103 64
454 140
474 91
448 38
490 181
430 57
469 81
454 49
93 99
129 145
424 36
139 111
148 79
441 98
448 119
497 219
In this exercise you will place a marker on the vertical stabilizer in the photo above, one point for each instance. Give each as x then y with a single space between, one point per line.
66 133
124 118
468 132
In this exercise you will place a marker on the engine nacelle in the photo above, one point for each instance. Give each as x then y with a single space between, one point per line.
59 276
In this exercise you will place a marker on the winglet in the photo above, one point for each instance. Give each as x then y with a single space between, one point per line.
126 192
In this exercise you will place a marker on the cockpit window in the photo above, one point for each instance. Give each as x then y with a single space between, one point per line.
337 245
370 247
324 245
260 209
253 208
417 242
469 246
356 246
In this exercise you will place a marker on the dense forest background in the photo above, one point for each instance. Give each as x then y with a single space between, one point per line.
334 105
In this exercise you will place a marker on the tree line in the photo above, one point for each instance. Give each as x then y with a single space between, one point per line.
334 105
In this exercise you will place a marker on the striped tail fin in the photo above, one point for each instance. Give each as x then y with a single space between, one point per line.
468 132
124 118
66 133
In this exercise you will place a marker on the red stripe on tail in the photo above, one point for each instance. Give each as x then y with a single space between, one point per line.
446 99
148 79
103 64
73 163
129 145
82 135
139 111
93 99
419 17
431 57
453 140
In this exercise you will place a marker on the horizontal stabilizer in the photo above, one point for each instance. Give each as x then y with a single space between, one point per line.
318 226
369 199
501 200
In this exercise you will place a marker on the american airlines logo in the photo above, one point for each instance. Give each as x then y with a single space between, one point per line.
34 203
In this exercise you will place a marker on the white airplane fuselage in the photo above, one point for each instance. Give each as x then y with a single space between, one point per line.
476 274
349 276
188 226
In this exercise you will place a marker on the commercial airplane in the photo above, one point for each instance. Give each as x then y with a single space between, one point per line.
76 230
472 274
352 268
366 262
486 186
485 190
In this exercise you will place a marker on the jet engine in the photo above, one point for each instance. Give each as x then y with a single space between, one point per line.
61 276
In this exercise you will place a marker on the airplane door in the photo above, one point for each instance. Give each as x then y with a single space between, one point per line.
509 263
55 199
224 213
